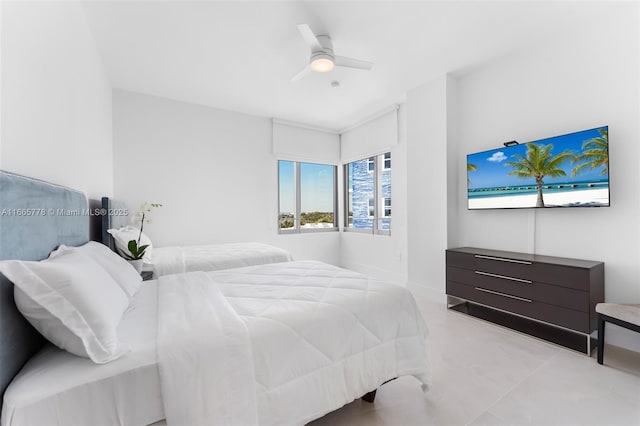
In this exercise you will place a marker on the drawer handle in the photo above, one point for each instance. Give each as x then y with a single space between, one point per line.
504 295
504 277
501 259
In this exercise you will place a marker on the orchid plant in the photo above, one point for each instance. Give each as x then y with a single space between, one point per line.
136 251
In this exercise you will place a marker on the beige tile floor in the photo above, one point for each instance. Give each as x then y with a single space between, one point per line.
484 374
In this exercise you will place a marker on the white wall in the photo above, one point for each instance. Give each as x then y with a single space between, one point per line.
56 98
578 82
429 161
213 171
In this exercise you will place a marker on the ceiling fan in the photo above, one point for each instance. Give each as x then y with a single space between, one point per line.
322 57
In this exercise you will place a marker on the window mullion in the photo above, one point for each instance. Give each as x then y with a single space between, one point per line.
298 217
336 213
345 196
376 214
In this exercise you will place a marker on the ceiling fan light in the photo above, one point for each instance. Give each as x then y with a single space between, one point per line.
322 63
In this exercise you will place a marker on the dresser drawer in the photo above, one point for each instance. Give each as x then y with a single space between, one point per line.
496 265
534 290
569 318
577 278
566 272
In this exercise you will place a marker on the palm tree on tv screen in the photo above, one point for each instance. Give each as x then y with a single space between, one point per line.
537 164
596 153
470 168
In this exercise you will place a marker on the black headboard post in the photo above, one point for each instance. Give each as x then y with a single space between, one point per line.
95 220
35 218
106 224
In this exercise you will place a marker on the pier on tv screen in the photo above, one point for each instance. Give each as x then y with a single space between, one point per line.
571 170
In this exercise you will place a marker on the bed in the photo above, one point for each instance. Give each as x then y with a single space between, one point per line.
279 343
205 257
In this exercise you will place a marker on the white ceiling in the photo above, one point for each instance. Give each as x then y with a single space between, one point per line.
240 55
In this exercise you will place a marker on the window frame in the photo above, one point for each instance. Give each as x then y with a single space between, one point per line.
378 209
297 215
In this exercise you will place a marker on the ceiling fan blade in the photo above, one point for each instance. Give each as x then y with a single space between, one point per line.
341 61
309 37
306 70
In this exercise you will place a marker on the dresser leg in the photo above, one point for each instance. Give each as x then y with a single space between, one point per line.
588 345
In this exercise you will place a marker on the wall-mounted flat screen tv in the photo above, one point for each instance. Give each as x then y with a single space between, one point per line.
571 170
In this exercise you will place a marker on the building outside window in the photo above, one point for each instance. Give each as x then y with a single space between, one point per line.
387 206
371 162
307 197
368 194
372 208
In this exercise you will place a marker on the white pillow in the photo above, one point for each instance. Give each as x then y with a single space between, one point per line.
120 270
72 302
125 234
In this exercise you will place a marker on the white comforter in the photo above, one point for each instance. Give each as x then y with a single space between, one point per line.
214 257
288 342
204 355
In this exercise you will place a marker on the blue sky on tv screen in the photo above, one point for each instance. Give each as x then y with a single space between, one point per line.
493 172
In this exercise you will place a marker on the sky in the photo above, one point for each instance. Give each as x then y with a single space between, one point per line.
492 171
316 187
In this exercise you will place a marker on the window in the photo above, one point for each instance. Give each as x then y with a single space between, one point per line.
368 195
384 194
371 161
372 208
360 195
387 161
307 197
287 194
387 206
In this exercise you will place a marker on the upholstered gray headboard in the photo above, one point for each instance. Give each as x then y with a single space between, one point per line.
35 218
114 216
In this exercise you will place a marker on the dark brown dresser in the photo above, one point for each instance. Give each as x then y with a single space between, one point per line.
550 297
